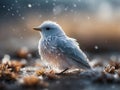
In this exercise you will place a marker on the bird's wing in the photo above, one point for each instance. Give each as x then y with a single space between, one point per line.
70 48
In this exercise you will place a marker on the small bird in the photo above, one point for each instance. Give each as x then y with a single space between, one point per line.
57 50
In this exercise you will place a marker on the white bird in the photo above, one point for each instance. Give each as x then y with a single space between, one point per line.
57 50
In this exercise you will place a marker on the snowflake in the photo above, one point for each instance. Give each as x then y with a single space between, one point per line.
29 5
54 4
40 16
57 10
22 18
46 1
17 11
13 14
66 9
96 47
11 7
3 6
19 14
88 17
8 9
16 1
74 5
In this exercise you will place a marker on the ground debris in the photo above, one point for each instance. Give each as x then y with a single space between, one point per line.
34 75
8 72
110 69
40 72
34 81
113 68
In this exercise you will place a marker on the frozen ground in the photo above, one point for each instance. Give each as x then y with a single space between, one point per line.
24 71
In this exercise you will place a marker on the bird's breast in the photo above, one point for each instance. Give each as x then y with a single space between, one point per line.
48 48
51 55
49 52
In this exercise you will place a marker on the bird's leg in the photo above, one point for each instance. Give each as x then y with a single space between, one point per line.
62 71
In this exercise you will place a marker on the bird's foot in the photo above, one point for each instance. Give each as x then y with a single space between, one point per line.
62 72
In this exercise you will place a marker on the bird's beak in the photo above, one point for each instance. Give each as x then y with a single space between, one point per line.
37 29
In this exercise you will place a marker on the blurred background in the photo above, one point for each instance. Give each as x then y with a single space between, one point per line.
94 23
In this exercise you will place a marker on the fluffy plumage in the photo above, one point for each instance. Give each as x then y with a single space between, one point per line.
59 51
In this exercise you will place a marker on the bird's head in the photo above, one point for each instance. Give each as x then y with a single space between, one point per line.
49 28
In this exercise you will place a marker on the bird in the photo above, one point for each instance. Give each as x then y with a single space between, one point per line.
57 50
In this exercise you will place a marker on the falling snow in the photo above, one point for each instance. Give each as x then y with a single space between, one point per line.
113 57
11 7
74 5
38 4
40 16
19 14
71 10
57 10
54 4
18 17
29 5
8 9
88 17
46 1
17 11
96 47
13 14
22 18
66 9
3 6
54 0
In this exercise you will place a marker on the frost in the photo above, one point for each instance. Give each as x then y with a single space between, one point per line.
29 5
29 69
23 61
6 59
113 57
20 80
116 76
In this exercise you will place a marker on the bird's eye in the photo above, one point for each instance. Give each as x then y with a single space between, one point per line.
47 28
